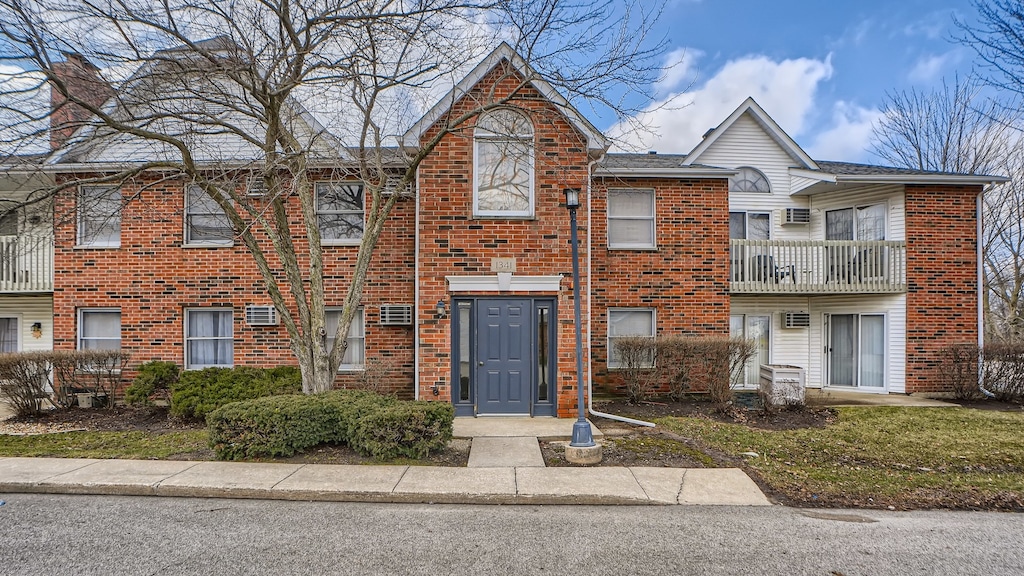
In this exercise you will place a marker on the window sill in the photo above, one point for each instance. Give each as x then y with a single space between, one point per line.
524 217
351 369
194 368
207 245
353 242
632 248
96 247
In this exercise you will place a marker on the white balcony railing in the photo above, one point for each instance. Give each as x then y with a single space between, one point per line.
26 264
817 267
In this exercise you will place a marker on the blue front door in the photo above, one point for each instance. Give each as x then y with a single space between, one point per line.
504 356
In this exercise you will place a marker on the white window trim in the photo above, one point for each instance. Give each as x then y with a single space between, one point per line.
80 218
361 314
187 339
743 384
767 180
505 214
361 212
189 242
653 245
609 337
826 365
885 222
81 314
18 325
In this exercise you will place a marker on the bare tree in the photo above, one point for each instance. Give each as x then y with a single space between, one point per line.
206 92
953 129
958 129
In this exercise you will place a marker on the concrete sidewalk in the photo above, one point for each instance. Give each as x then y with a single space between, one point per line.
416 484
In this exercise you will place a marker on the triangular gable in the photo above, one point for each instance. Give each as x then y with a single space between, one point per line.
749 106
595 139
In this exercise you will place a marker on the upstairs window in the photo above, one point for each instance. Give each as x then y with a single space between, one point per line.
503 165
8 222
205 221
99 216
630 218
339 208
749 179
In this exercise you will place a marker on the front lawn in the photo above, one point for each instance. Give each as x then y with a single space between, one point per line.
881 457
132 445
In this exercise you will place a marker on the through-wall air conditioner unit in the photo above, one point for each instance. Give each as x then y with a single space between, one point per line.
797 216
255 187
796 319
260 315
396 314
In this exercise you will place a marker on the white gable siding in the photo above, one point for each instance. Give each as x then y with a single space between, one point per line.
798 183
28 310
745 143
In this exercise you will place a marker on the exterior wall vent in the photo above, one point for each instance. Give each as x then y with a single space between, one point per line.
797 216
796 320
396 314
260 315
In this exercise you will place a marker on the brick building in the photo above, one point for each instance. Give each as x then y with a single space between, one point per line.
855 274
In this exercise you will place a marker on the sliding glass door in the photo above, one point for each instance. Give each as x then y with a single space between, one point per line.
855 350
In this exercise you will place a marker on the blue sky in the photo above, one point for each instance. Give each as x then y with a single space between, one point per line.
820 69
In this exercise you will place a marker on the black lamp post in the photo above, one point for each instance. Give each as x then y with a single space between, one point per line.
582 436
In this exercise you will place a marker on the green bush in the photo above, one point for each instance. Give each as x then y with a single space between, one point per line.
155 378
411 429
373 425
271 426
200 392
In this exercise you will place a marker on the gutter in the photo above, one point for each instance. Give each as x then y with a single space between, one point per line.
590 268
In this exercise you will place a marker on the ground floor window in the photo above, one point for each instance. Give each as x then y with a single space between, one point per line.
623 322
99 329
855 350
758 328
355 354
8 335
209 338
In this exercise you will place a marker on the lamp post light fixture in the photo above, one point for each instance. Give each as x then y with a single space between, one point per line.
582 436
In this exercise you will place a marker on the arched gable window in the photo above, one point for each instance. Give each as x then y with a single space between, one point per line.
749 179
503 164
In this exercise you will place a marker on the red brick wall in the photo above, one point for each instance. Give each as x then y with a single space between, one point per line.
942 277
454 243
152 279
686 279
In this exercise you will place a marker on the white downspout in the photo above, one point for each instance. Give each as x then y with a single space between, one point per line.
590 357
416 292
980 211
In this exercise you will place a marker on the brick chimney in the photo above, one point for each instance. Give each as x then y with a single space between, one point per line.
82 80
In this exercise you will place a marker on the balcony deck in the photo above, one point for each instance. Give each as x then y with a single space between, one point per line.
26 264
818 267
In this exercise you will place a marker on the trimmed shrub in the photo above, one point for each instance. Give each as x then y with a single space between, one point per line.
25 381
199 392
373 425
958 370
154 378
639 373
410 429
270 426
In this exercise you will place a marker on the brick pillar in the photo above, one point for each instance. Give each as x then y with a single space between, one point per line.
942 277
82 80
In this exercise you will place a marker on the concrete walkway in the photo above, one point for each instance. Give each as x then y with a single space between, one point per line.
505 467
433 484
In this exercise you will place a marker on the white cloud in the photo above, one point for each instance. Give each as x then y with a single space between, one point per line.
680 71
848 137
674 124
930 68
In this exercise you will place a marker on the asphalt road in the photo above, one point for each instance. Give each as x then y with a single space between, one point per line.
53 535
